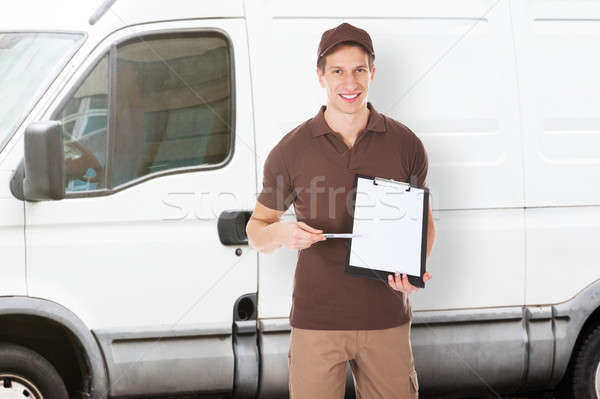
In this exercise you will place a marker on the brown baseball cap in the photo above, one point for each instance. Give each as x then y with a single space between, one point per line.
344 33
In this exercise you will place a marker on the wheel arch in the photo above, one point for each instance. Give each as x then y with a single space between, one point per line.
573 319
50 311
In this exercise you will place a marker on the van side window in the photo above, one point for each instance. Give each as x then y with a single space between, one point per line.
84 120
172 104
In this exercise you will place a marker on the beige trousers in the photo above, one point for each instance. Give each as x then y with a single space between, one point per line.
381 361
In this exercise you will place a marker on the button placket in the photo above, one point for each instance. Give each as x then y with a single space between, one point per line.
339 145
330 149
353 154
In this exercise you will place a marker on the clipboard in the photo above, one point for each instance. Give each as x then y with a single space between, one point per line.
394 239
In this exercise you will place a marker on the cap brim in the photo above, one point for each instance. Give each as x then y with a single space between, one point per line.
342 41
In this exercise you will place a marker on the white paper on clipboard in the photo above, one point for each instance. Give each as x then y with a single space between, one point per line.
389 222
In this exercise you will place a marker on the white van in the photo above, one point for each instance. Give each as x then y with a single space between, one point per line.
132 142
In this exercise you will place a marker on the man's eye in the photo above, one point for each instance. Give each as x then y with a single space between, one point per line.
336 71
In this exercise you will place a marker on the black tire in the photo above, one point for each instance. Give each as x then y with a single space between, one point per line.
20 366
585 383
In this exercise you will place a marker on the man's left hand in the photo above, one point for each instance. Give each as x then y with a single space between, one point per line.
400 282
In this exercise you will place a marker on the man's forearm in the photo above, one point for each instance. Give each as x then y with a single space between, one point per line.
430 232
430 238
263 236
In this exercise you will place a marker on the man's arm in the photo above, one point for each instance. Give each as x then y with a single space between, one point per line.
266 232
430 232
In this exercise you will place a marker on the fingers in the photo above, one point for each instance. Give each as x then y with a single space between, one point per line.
306 227
401 283
300 234
427 276
306 232
393 284
303 238
407 285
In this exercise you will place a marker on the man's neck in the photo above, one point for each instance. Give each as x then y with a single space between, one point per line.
348 125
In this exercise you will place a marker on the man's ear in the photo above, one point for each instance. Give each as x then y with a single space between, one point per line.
373 73
320 77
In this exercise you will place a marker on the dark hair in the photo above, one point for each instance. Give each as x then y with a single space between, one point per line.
321 61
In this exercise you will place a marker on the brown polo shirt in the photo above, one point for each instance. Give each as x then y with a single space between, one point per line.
313 168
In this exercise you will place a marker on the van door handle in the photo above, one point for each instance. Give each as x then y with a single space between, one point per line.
232 227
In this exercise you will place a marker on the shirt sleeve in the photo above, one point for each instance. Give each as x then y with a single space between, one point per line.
420 165
277 191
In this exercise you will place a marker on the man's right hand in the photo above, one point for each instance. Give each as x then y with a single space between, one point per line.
266 232
299 235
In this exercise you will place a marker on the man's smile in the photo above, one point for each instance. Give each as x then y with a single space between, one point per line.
349 97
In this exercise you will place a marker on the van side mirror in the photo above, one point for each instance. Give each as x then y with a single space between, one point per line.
44 162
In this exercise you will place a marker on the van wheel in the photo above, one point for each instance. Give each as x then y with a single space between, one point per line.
586 368
24 374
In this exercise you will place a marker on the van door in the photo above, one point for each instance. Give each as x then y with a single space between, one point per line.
157 130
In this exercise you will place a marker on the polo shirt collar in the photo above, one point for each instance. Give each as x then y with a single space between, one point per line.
319 126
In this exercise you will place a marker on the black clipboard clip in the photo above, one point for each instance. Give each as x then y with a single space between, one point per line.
381 179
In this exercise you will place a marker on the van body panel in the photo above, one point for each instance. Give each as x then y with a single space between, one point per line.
562 255
486 273
200 359
559 85
12 240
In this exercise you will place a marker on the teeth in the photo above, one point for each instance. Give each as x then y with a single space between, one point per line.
349 96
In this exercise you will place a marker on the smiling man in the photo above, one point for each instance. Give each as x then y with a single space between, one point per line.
336 317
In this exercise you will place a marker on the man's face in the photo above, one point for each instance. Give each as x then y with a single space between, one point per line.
346 78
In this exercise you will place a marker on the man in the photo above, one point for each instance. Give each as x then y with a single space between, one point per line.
336 317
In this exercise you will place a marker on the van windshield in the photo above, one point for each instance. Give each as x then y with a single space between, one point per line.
29 61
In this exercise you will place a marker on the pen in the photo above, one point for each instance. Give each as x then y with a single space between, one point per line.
340 235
